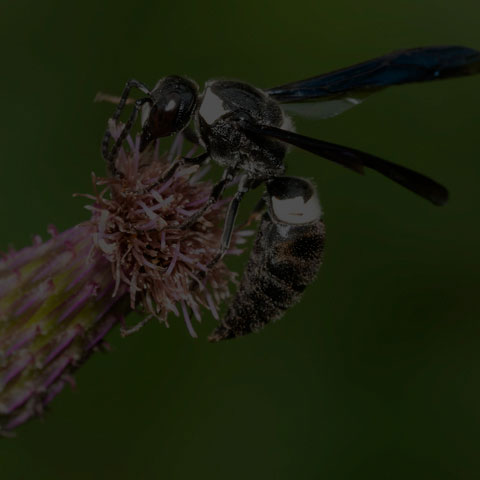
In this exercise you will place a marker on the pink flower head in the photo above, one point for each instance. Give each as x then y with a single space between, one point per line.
59 298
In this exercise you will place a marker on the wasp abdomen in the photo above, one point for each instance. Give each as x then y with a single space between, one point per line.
284 260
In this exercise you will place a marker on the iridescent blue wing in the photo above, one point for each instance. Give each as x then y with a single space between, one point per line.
337 91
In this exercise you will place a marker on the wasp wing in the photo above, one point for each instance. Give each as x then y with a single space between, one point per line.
324 108
356 160
340 90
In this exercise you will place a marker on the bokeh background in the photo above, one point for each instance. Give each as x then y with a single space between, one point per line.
375 374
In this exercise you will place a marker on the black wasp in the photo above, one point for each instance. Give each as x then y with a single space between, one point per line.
246 129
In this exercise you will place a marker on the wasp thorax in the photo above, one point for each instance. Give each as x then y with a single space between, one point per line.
223 97
293 201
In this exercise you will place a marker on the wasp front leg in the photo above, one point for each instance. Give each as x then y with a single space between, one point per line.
110 156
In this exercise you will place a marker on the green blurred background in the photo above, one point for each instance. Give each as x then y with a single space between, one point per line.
375 374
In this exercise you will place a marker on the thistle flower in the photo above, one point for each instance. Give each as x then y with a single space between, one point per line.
59 298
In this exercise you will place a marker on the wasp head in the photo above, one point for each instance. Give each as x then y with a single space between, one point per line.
173 102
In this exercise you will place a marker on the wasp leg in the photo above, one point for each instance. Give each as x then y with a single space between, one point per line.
126 129
191 135
116 114
180 163
243 187
215 195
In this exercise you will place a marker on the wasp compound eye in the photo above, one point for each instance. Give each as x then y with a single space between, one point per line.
174 101
293 201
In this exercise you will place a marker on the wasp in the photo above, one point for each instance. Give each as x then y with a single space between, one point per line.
247 130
